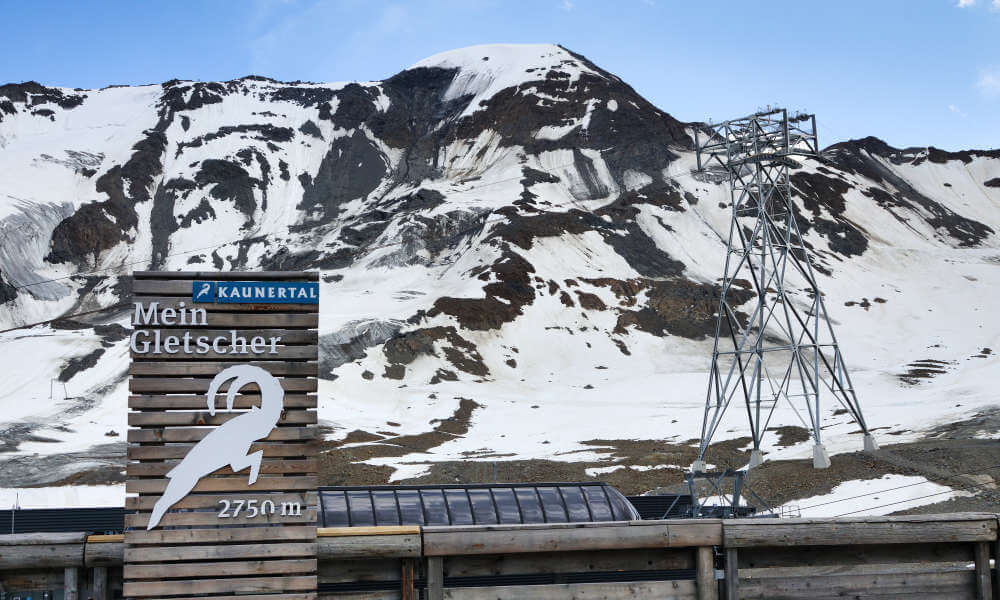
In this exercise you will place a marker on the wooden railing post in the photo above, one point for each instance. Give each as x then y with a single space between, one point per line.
100 583
984 586
996 568
732 574
406 591
71 583
708 589
435 578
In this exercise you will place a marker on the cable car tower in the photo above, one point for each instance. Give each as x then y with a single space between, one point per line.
782 350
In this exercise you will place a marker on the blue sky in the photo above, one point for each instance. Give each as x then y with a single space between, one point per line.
913 72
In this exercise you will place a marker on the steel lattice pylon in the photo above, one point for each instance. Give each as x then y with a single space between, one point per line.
784 350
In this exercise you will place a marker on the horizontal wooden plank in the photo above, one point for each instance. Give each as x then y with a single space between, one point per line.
176 368
105 552
860 554
794 532
39 556
269 466
188 385
177 302
950 585
837 570
661 590
171 518
228 484
161 418
293 566
441 541
194 434
662 559
270 450
177 537
114 538
376 546
140 554
149 402
382 530
238 585
229 275
42 539
303 353
358 570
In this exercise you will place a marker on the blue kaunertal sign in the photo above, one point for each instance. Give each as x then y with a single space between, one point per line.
255 292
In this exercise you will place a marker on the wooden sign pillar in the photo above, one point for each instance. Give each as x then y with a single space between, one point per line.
214 533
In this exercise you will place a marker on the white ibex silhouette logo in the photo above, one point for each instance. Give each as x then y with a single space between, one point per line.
228 444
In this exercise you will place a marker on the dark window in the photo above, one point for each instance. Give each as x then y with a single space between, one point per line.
482 507
410 507
336 509
575 504
555 512
507 505
598 502
531 510
622 508
434 507
458 507
360 502
385 507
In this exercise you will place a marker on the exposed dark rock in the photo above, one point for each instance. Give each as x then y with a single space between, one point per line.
39 94
230 182
819 192
310 128
352 168
99 226
504 299
265 132
79 363
463 354
676 306
201 213
896 193
352 341
995 182
7 291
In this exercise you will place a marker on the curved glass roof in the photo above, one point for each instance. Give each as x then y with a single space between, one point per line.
473 504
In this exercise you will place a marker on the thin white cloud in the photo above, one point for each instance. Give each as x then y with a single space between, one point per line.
989 82
957 110
996 4
966 3
568 5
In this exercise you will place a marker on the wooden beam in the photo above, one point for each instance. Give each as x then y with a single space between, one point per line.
984 588
380 530
661 590
742 533
732 574
71 583
376 546
99 583
435 578
492 539
407 578
708 589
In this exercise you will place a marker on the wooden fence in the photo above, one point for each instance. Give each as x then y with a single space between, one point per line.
918 557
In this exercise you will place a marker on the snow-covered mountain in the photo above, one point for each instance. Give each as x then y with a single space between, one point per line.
519 263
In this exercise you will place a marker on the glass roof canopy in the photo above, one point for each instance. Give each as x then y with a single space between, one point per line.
473 504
